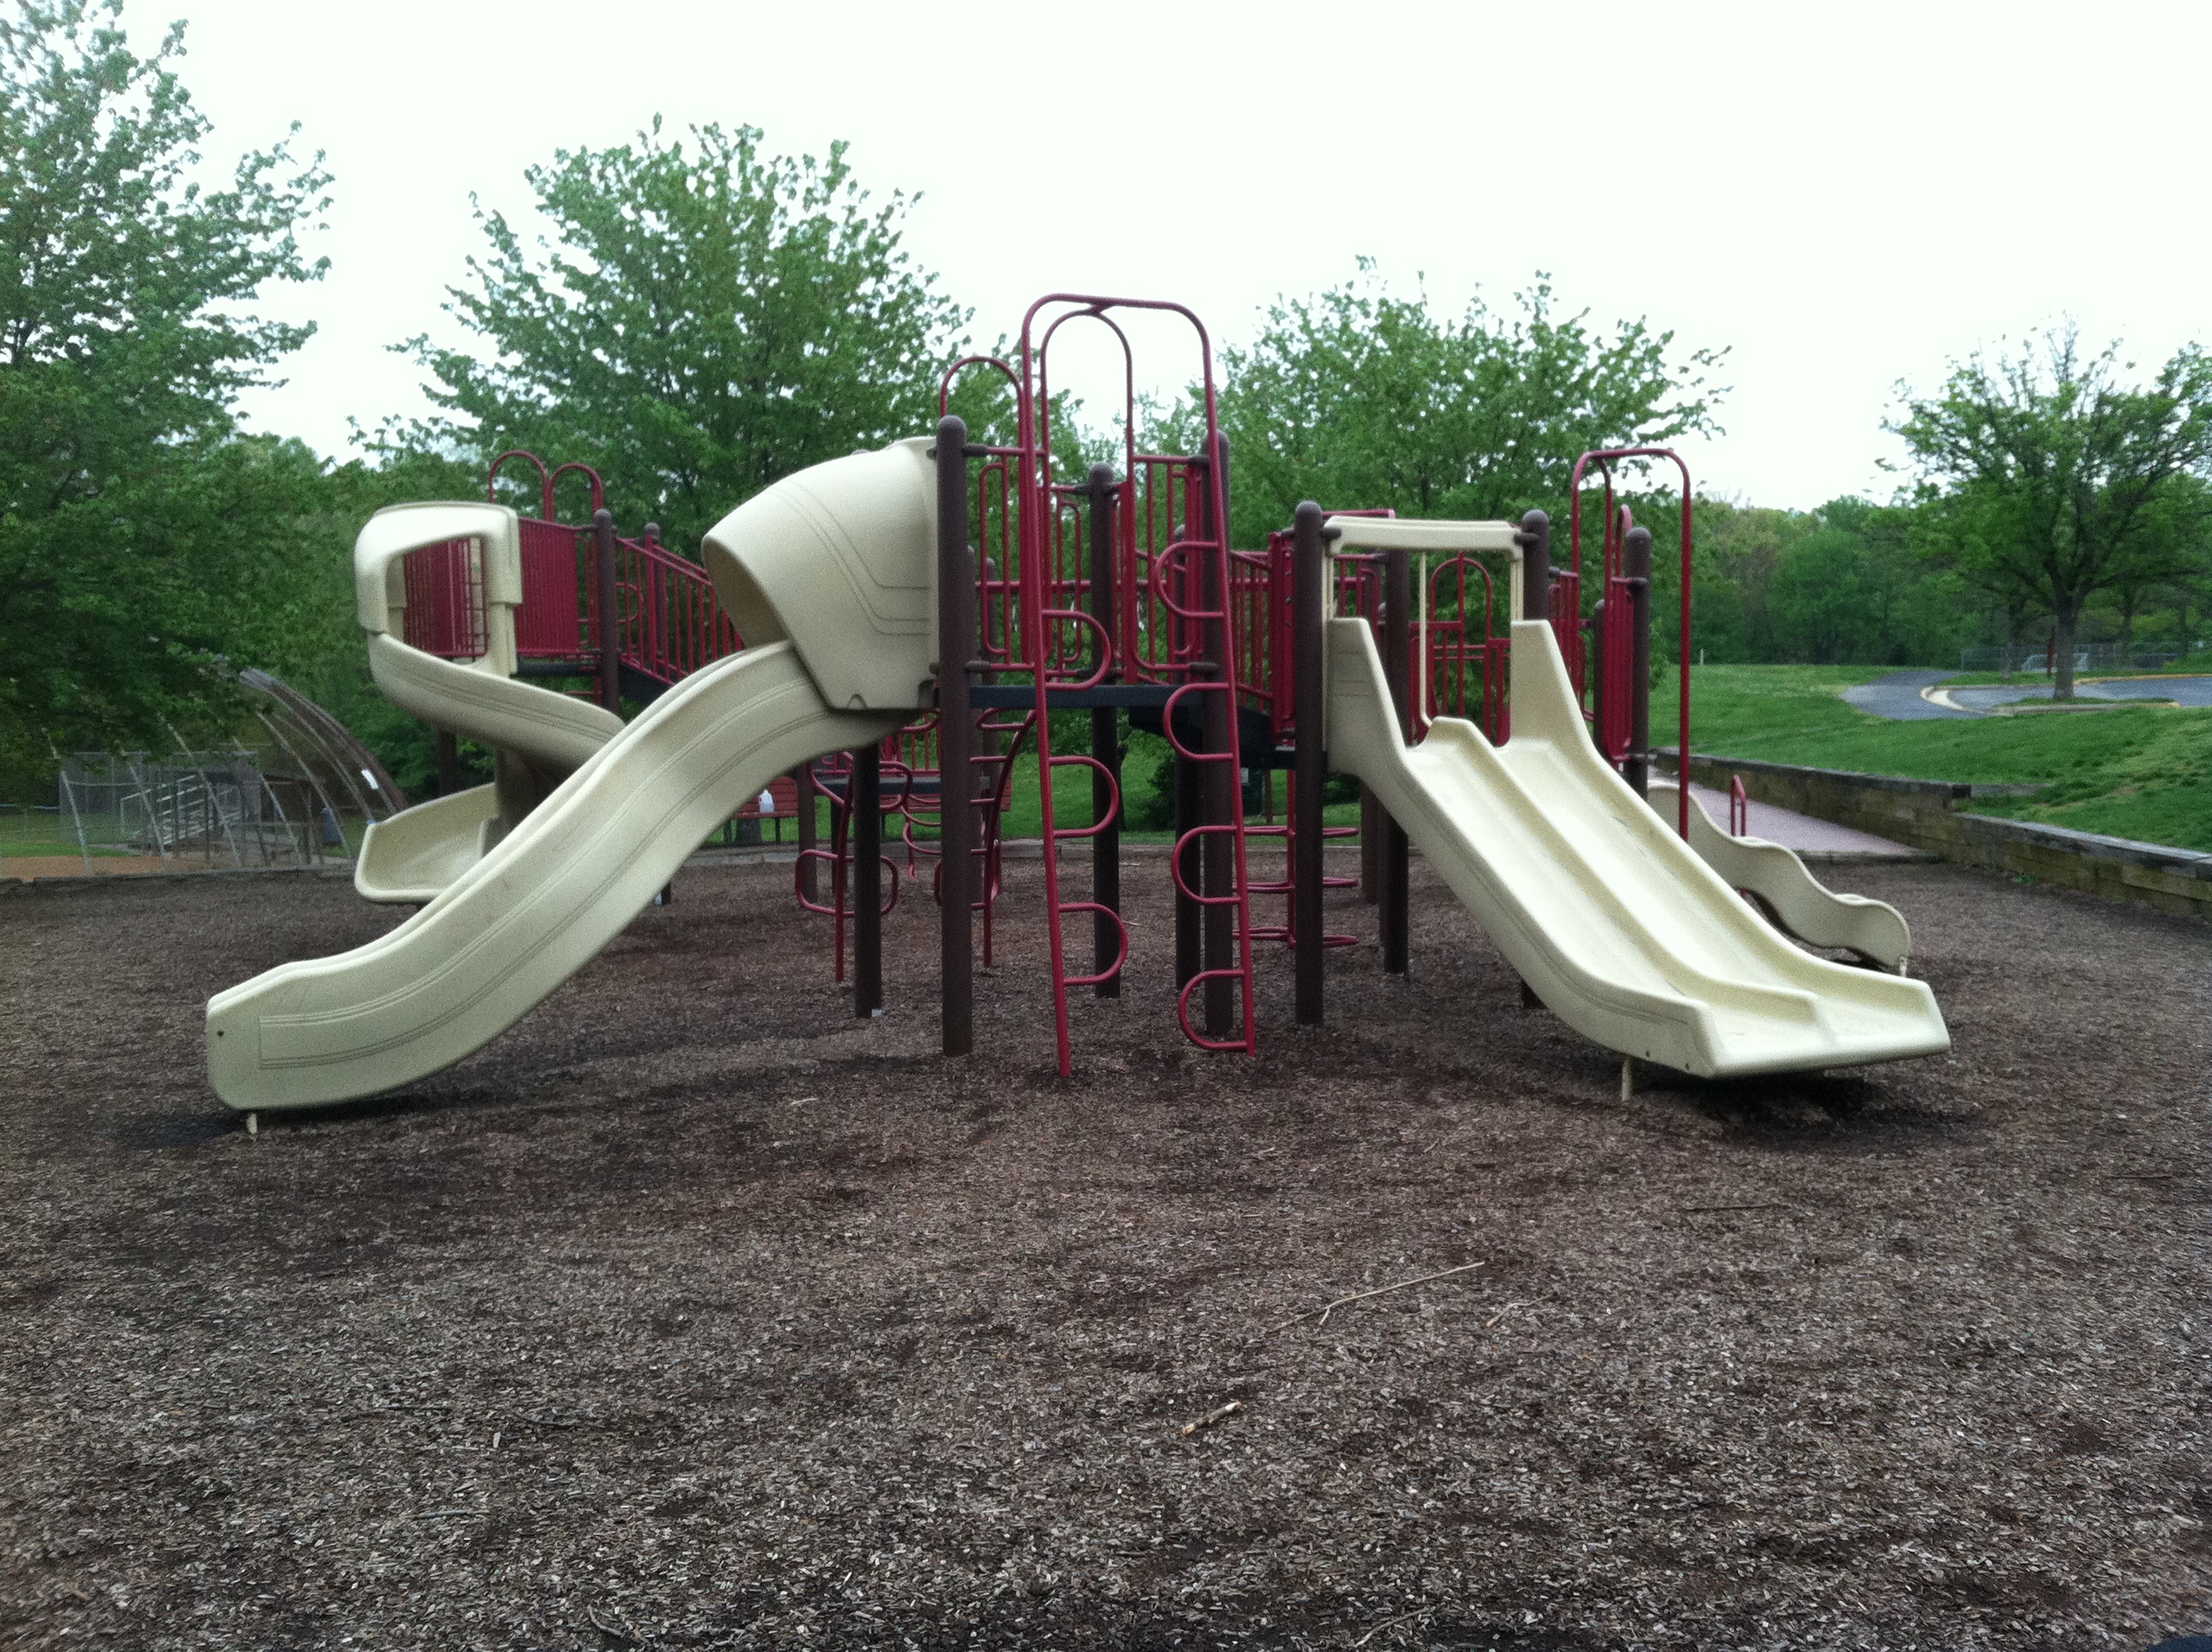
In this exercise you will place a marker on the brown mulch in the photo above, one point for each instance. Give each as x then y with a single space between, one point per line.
693 1313
28 867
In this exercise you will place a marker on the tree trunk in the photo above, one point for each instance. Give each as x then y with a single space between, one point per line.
2062 656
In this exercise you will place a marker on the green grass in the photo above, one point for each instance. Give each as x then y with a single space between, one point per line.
2133 771
25 848
1730 704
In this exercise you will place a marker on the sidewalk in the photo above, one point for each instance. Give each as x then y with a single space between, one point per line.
1813 840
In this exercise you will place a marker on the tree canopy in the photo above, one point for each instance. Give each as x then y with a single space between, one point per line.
711 318
141 538
1357 398
2048 480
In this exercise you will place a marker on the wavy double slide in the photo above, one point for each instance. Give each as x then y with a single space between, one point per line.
540 737
1793 901
830 574
1618 926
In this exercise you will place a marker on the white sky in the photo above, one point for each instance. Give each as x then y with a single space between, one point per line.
1846 195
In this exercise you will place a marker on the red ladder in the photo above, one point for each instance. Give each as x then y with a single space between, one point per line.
1212 623
1034 616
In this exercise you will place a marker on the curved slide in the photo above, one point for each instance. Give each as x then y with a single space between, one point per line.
1615 922
832 570
540 737
1795 902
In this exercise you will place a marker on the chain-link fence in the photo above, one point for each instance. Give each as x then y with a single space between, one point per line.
194 811
2087 657
303 799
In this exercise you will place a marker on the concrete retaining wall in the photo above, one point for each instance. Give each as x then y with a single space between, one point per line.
1930 815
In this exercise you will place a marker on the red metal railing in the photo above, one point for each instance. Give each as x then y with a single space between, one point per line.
1616 645
555 620
668 624
1616 612
1461 661
444 600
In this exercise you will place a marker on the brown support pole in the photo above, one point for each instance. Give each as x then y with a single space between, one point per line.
610 600
1105 743
1309 585
1535 537
1397 657
810 881
955 742
1636 567
866 800
1222 779
449 763
1370 845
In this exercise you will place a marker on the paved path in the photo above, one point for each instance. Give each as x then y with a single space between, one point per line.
1809 836
2185 690
1897 697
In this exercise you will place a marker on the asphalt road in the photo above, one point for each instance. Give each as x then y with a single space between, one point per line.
1897 696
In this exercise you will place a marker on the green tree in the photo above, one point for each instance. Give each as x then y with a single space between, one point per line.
2047 480
142 539
711 319
1360 399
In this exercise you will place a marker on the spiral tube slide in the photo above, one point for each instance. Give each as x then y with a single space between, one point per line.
834 571
540 737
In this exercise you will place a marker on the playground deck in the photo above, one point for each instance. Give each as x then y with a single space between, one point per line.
695 1313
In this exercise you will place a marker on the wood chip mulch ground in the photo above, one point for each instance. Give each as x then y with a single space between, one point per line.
694 1313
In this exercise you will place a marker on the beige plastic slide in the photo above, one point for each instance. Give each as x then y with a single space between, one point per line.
1794 900
1614 921
540 737
831 575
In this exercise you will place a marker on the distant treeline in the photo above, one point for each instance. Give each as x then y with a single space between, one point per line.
706 316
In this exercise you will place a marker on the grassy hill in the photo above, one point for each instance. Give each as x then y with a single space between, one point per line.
2129 772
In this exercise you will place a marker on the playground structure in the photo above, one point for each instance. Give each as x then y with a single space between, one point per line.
1114 596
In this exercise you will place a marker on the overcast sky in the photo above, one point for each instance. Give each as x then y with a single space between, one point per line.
1844 195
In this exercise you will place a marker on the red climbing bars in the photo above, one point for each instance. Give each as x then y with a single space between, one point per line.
1176 592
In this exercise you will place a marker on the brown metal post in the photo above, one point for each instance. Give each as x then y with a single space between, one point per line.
1535 537
810 881
1105 742
1218 856
866 800
955 742
449 763
1636 567
1397 659
1308 584
1370 845
610 600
